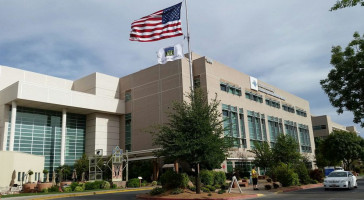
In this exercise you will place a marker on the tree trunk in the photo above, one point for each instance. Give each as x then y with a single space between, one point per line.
198 179
47 180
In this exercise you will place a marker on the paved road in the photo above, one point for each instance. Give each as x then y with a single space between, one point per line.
321 194
113 196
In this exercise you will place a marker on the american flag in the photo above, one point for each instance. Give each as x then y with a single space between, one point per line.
160 25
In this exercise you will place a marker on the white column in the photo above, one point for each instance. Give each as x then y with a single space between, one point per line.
12 127
63 141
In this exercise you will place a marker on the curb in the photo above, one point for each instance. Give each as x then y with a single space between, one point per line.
89 193
300 188
247 196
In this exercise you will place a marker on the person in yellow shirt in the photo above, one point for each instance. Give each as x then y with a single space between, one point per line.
255 178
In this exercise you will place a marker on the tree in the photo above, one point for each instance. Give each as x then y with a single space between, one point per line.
263 155
342 146
346 3
344 84
286 150
321 160
81 165
63 171
194 133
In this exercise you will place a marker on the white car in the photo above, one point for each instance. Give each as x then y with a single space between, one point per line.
340 179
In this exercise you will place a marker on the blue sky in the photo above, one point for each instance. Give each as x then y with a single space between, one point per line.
286 43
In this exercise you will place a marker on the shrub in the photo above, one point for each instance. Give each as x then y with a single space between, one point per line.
54 188
93 185
105 185
114 186
156 191
221 191
171 180
209 194
78 189
67 189
302 173
154 183
217 186
219 178
98 184
82 185
192 188
177 191
275 185
207 177
225 186
205 189
134 182
313 181
285 175
73 185
269 180
211 188
268 187
45 190
317 175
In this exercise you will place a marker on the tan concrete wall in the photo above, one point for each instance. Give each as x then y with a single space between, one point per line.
102 132
20 162
152 92
11 75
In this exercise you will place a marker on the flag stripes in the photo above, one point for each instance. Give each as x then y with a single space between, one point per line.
160 25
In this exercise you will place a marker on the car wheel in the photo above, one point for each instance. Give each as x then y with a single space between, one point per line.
349 186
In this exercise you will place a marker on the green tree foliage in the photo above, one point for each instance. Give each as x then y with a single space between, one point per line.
286 150
343 146
344 84
81 165
285 175
64 172
263 155
321 160
346 3
194 133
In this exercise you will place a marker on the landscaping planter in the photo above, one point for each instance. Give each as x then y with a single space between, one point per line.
42 186
29 187
65 183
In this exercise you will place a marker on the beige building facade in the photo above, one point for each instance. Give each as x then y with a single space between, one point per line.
16 165
323 126
61 119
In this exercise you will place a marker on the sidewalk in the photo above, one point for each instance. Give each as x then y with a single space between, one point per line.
65 195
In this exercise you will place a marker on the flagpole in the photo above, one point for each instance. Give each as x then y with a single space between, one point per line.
189 48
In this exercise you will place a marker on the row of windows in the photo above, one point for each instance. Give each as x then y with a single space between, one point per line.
257 128
273 103
319 127
301 113
288 108
253 96
39 132
230 89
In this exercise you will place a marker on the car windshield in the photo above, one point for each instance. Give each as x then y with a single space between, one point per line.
338 174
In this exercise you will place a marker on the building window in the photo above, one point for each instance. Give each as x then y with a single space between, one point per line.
253 96
242 128
275 128
256 130
305 141
288 108
273 103
231 126
229 166
291 129
319 127
230 88
196 81
301 112
39 132
127 95
19 176
23 176
128 132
